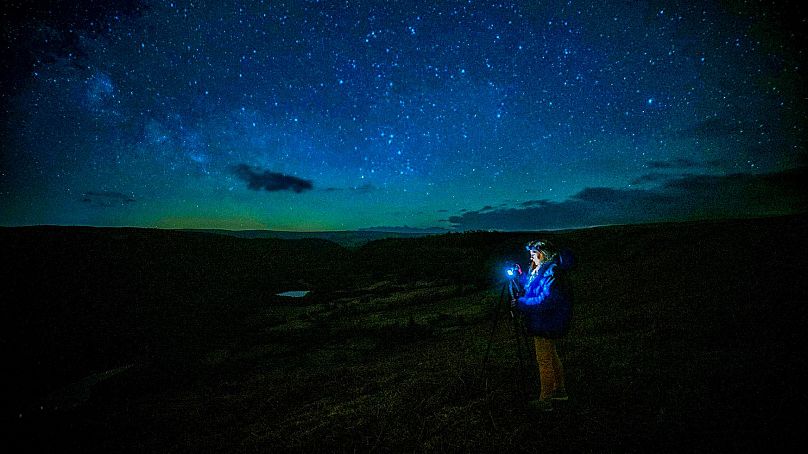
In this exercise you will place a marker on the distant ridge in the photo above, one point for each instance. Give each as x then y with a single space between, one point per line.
406 229
346 238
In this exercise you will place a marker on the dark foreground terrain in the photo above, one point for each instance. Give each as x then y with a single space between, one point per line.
687 337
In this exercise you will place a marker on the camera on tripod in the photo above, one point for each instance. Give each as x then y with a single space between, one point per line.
506 308
513 271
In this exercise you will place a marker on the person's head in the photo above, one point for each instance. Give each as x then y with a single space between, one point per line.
540 251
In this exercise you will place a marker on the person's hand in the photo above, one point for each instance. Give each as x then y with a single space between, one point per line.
513 302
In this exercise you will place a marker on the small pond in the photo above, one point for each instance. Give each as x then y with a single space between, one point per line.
294 293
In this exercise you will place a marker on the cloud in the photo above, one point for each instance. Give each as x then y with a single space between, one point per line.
677 198
682 164
271 181
651 178
531 203
106 199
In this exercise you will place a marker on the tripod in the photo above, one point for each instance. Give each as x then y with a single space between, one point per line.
511 289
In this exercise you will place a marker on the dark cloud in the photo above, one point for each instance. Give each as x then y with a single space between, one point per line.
271 181
701 183
682 164
531 203
602 195
106 199
679 198
651 178
492 207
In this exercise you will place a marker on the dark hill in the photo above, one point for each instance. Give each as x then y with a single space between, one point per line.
687 336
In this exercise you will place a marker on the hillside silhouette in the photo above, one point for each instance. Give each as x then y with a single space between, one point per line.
686 336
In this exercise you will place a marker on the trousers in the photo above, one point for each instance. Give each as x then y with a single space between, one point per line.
551 372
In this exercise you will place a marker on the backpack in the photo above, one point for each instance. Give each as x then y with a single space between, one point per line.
566 261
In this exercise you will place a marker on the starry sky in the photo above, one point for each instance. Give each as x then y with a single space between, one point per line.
344 115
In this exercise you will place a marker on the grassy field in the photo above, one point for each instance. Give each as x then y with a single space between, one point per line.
686 337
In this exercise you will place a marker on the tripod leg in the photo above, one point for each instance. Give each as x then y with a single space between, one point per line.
516 328
495 321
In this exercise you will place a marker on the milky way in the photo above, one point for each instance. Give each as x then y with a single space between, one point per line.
307 115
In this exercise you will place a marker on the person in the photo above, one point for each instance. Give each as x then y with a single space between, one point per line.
546 306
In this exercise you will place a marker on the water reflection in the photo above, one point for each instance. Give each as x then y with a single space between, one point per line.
294 293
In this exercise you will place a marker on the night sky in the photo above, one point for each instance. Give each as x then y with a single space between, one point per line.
327 115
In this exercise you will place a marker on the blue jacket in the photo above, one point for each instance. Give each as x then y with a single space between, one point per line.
547 302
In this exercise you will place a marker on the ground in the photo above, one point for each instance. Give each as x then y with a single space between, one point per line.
686 337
